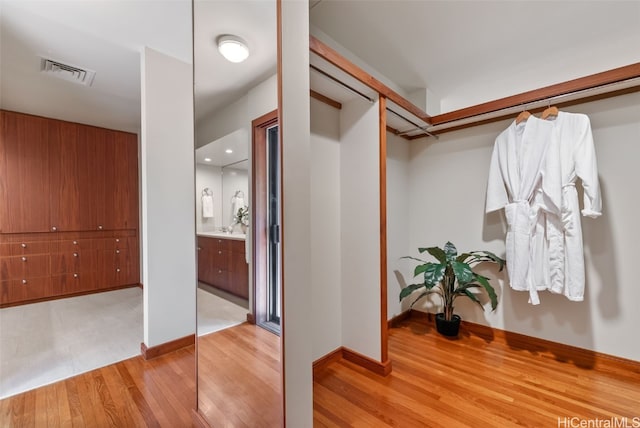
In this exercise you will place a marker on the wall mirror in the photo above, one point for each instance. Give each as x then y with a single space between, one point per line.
238 361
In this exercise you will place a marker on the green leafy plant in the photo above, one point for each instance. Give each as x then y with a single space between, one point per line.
242 216
452 277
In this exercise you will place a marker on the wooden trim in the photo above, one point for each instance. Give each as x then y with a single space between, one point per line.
395 132
199 419
321 363
381 368
538 110
382 117
165 348
324 99
582 83
560 351
250 318
402 316
259 212
342 353
64 296
333 57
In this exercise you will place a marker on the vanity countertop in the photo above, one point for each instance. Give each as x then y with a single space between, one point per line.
224 235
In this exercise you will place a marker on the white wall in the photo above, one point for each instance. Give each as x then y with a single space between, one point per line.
296 185
233 180
209 176
326 293
168 241
360 227
447 192
259 100
398 231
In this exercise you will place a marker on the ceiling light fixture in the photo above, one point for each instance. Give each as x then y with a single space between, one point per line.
229 151
207 159
233 48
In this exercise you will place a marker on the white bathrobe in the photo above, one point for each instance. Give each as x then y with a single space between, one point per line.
578 159
524 179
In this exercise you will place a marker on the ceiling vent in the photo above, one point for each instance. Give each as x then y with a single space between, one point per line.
71 73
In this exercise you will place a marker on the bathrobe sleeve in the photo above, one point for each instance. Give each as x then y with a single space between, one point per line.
497 195
586 168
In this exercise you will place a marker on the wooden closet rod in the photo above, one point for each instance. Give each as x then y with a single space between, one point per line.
612 82
617 81
333 57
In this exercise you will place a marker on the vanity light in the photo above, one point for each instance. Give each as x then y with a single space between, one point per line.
229 151
207 159
233 48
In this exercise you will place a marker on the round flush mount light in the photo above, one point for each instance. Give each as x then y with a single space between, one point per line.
228 151
233 48
207 159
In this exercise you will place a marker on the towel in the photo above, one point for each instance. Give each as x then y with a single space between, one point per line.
207 206
236 204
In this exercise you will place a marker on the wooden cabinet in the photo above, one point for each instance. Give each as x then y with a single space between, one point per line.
61 176
68 208
222 264
46 265
24 174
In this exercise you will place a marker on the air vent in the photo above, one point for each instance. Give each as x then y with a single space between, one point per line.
71 73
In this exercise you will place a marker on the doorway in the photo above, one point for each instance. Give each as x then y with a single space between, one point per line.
267 251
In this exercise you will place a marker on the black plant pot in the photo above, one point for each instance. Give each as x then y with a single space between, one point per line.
448 328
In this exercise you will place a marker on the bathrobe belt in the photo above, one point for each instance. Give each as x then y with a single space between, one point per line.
522 226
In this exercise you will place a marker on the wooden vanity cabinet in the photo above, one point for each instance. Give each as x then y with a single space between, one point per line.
222 264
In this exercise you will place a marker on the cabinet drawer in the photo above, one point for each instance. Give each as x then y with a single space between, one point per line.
74 262
19 267
24 248
120 242
74 245
120 267
22 290
237 246
72 283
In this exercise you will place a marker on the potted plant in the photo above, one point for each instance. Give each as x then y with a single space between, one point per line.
450 278
242 218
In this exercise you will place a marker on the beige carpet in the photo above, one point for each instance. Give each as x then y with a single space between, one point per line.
45 342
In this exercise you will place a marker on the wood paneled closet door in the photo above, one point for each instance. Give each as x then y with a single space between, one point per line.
24 174
63 172
121 181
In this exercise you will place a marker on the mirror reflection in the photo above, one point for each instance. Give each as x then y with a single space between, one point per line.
238 356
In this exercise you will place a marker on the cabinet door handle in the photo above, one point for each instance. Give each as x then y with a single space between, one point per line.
24 259
75 242
23 245
99 227
219 271
24 282
75 254
75 275
219 251
54 228
117 269
199 248
117 240
117 251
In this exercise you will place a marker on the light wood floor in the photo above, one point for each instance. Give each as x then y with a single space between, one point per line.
435 383
471 382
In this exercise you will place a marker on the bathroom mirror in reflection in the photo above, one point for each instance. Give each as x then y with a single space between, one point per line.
238 361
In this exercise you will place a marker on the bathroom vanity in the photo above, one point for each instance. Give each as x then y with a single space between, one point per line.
222 262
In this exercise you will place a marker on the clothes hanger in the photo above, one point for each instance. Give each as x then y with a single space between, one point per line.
524 115
549 111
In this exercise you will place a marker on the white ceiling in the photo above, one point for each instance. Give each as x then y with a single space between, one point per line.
468 52
465 52
108 35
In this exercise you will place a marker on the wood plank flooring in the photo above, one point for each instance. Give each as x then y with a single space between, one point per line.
472 382
239 378
436 382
